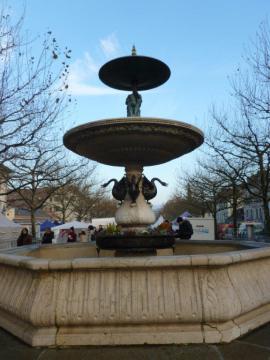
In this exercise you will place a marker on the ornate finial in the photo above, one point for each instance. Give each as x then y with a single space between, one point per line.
133 51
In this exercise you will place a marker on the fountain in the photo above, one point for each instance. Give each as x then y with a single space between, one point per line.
67 295
133 143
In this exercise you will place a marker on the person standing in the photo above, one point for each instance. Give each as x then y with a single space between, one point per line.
185 230
72 237
48 236
91 233
25 238
82 236
100 228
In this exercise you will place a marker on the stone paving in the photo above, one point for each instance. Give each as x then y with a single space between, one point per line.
255 345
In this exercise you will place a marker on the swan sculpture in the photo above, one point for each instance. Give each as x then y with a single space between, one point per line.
149 188
120 188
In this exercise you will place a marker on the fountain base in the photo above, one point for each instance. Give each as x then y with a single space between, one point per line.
63 295
136 334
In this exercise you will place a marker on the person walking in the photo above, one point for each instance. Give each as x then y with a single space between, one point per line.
185 230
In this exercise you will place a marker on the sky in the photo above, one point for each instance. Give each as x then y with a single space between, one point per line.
203 43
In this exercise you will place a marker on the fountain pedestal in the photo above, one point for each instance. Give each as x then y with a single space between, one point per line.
135 216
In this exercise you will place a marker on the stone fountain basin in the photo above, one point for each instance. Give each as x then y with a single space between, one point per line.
133 140
58 295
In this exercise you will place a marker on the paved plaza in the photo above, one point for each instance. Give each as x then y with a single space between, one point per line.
254 346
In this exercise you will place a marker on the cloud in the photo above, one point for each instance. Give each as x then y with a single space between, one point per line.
83 78
109 45
82 72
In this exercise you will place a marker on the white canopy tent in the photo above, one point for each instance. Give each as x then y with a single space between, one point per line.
61 231
96 222
9 232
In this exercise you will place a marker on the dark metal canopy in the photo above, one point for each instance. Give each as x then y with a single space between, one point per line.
134 72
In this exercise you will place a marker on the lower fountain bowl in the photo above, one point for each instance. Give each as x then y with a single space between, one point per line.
133 140
115 242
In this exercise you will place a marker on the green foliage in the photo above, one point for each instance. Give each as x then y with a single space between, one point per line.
113 229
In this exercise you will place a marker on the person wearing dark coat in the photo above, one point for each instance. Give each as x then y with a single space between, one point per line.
25 238
48 236
185 228
91 233
72 237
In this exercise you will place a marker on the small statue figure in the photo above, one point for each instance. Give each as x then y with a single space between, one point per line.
133 103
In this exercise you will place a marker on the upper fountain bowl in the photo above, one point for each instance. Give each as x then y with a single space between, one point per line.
134 72
133 141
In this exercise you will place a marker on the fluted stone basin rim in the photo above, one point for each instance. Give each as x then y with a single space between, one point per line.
24 257
203 298
134 140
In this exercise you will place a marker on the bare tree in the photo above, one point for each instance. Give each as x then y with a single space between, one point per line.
64 197
243 148
92 201
231 195
105 207
78 198
251 85
33 99
241 139
206 189
252 92
182 201
32 87
40 175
